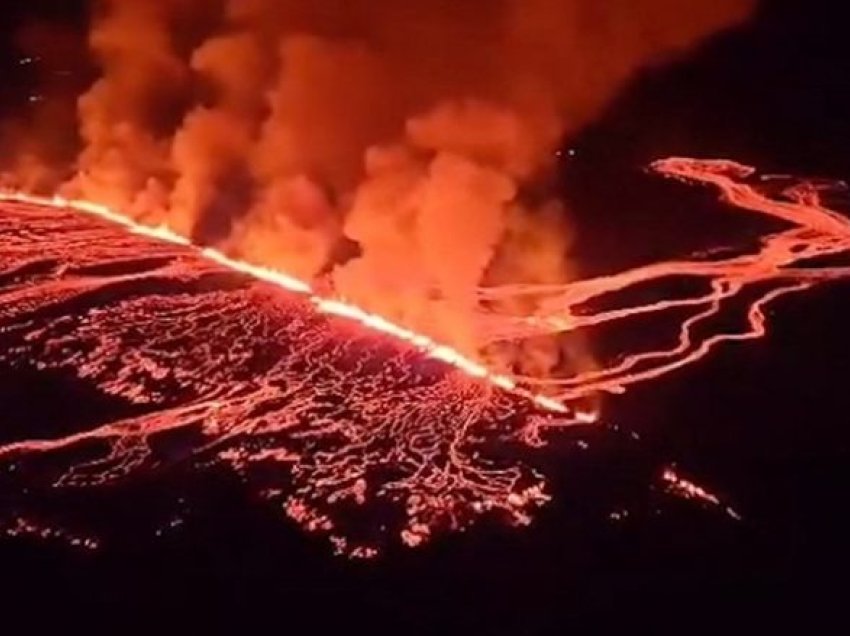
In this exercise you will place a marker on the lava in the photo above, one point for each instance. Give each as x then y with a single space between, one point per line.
773 271
316 412
356 427
329 306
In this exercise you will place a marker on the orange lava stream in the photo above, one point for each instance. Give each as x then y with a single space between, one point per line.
815 231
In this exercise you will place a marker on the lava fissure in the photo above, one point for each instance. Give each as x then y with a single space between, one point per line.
337 415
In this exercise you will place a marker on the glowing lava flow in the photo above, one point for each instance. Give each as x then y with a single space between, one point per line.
356 433
774 270
329 306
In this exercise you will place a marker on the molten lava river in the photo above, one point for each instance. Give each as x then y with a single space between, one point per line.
357 429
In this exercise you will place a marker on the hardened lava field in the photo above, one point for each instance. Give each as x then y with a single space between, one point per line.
317 412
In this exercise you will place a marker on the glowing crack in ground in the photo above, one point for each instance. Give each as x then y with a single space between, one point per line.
337 415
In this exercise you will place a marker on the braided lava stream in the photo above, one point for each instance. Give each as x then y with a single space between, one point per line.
359 429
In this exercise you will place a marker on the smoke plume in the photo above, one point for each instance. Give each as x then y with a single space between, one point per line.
394 150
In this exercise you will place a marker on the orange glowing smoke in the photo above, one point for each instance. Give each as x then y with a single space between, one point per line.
388 148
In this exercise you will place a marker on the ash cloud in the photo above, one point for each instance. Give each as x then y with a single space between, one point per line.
382 146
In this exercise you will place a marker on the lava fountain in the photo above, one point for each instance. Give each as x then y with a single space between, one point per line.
359 429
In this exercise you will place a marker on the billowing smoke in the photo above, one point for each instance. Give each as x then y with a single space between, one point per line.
396 150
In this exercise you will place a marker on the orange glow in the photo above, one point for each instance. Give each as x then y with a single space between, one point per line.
334 307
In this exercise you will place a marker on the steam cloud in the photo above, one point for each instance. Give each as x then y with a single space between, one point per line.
385 147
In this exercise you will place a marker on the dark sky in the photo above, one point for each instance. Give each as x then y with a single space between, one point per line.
54 30
17 14
776 93
67 10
